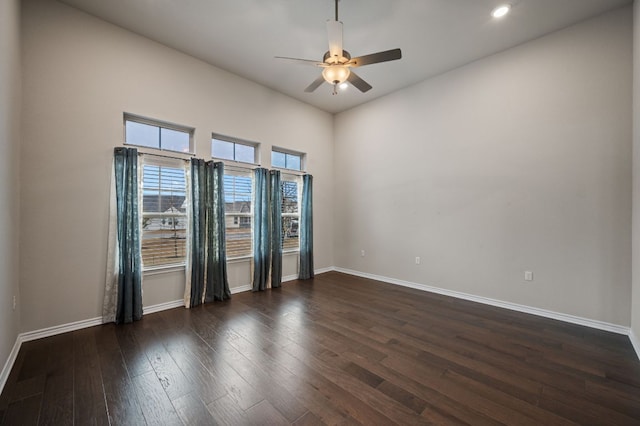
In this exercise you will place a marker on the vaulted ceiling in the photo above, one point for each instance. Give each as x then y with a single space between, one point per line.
244 36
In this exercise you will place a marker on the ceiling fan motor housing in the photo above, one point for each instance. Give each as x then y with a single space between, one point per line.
346 56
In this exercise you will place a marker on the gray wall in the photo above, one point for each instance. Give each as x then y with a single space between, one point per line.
80 75
519 161
635 300
9 159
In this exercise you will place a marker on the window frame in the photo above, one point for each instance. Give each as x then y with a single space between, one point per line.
161 125
175 163
248 173
236 141
301 155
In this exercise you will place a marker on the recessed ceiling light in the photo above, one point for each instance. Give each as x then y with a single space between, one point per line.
343 86
501 10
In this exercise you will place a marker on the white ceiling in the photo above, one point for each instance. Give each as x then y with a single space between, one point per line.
243 36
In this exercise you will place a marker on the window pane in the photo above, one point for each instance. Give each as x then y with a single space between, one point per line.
289 197
222 149
174 140
278 159
237 194
164 224
163 189
142 134
237 198
293 161
245 153
238 236
290 238
163 240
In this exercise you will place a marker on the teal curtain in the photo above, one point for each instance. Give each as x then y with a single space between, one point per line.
129 272
275 202
217 284
261 237
306 229
198 232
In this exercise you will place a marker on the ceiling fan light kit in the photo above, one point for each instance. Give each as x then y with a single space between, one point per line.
336 62
336 74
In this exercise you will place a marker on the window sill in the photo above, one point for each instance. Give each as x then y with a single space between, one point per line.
290 252
157 270
240 259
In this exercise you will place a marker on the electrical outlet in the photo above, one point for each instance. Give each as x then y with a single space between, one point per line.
362 253
14 303
528 275
417 260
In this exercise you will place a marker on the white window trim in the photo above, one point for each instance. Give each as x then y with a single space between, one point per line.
303 161
161 162
249 173
164 269
231 139
159 123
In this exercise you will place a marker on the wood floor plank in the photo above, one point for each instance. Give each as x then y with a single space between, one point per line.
119 392
24 412
300 384
225 411
263 413
57 397
193 411
308 419
154 402
88 396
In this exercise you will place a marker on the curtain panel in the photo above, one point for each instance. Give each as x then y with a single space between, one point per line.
261 237
206 278
217 282
275 205
196 255
123 289
306 229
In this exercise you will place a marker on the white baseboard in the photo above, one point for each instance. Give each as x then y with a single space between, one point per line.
241 289
634 342
289 278
4 374
323 270
163 306
59 329
600 325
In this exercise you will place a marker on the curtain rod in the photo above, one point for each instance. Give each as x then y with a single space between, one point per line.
165 156
236 166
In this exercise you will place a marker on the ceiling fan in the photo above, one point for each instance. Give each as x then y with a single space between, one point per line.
337 63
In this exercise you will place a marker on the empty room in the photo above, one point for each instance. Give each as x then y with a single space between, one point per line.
319 212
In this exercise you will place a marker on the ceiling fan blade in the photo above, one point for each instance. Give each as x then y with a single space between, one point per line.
374 58
359 83
334 30
303 61
316 83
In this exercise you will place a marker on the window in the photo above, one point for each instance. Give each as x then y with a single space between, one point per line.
286 160
238 213
154 134
226 148
290 213
164 212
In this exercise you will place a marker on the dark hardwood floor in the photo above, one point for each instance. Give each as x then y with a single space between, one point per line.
334 350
